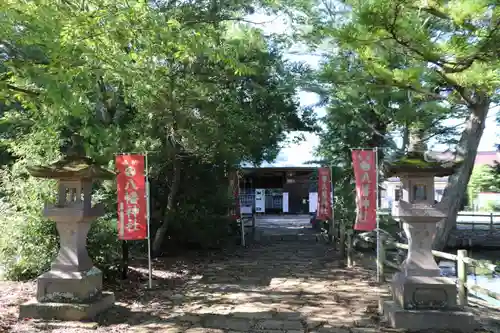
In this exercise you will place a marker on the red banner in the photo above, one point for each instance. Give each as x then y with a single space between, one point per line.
324 210
131 190
365 173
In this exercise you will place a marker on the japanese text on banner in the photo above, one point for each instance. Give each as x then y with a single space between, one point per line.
131 190
324 211
365 173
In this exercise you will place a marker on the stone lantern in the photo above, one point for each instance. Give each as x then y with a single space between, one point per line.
422 298
72 289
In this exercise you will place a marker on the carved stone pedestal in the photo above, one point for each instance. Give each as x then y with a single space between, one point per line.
424 292
422 319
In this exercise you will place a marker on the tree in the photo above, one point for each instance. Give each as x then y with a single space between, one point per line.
190 82
483 179
451 51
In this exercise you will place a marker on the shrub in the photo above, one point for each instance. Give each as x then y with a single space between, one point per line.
27 244
103 245
208 232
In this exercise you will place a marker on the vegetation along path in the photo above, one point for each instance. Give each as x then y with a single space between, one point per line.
287 286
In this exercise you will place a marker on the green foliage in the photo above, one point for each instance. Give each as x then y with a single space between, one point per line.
191 83
104 247
396 67
483 179
202 219
27 244
492 206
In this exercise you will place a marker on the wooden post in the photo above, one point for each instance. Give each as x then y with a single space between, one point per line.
242 226
491 222
349 249
462 277
253 227
124 261
342 242
380 260
331 231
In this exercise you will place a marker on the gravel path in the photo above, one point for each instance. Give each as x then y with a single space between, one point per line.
287 286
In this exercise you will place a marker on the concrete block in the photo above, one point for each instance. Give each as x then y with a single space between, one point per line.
66 311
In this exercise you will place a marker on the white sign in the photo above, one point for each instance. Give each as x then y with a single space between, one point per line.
260 200
313 202
246 210
285 202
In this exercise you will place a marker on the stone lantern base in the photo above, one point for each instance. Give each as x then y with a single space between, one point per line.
416 320
421 298
66 311
425 302
69 296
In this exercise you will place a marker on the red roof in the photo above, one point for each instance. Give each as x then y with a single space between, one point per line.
487 157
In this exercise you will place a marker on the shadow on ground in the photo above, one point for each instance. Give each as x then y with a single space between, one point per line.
281 287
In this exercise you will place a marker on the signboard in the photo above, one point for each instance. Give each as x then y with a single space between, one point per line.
285 202
313 202
365 174
131 190
260 200
324 211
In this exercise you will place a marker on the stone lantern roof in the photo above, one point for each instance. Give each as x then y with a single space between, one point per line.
419 161
72 165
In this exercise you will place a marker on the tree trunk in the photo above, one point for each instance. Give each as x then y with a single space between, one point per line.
406 139
456 189
172 196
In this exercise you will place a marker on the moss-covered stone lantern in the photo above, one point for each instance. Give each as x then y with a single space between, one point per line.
422 298
72 289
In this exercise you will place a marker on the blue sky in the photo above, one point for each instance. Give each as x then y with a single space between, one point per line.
297 154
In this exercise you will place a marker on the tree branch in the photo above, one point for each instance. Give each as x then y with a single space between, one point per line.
448 66
22 90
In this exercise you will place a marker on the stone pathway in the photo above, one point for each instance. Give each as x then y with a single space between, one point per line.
284 287
272 228
288 286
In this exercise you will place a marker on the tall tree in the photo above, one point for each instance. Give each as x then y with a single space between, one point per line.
451 47
189 80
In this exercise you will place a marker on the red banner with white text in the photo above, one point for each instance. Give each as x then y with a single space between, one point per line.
131 190
324 210
365 174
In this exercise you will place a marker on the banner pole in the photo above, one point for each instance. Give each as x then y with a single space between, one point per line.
236 189
148 219
332 228
379 278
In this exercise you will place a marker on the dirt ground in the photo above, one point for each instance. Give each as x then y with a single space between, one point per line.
292 287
